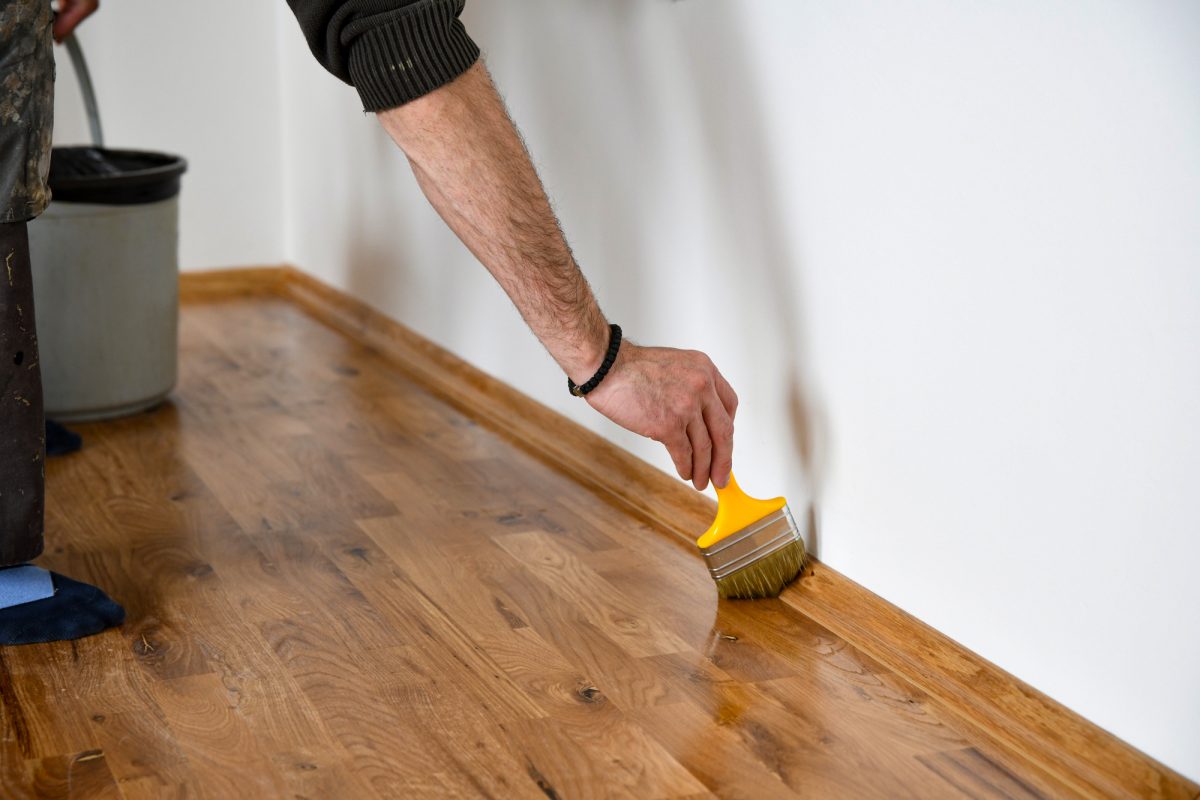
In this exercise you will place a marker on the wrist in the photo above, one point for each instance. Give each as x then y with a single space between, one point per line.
616 372
589 353
611 353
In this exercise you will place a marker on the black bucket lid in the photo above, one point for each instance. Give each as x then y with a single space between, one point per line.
113 177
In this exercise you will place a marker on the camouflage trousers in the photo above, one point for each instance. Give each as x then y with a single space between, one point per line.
26 107
26 112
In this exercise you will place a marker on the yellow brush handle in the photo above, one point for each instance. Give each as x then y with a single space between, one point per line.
736 510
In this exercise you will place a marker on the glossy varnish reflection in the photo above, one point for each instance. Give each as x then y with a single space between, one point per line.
339 585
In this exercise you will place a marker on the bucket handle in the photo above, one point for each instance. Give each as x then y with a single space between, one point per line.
85 88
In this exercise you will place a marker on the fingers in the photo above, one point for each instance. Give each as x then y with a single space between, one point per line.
702 449
706 451
720 432
70 14
680 449
728 397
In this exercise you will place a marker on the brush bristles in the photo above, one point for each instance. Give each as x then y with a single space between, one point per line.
765 577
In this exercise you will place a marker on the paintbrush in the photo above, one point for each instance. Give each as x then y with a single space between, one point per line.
753 548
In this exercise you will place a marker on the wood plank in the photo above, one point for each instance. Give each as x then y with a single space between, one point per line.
384 750
79 775
975 775
226 759
275 709
142 752
218 285
599 602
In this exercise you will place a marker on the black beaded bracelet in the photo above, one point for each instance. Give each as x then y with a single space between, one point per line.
614 344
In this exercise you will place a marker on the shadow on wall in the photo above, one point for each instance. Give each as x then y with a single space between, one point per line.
699 50
422 270
580 119
730 114
382 242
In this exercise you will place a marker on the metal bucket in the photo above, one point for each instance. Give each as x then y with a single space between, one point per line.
106 277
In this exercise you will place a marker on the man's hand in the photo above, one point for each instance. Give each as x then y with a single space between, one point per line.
70 14
678 398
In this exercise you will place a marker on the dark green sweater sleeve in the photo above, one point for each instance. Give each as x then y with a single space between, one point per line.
391 51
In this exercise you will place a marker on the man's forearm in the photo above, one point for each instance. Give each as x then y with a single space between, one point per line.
473 167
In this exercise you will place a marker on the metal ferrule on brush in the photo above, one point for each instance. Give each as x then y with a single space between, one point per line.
757 541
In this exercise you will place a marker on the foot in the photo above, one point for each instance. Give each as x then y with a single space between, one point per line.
42 606
60 440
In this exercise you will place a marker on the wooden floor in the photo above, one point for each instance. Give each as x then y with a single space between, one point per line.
339 586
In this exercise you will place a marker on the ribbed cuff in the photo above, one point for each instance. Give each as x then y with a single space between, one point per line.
409 54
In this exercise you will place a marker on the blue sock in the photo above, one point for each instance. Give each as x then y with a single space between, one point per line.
24 584
72 610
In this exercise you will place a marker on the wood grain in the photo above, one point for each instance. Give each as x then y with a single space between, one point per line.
344 579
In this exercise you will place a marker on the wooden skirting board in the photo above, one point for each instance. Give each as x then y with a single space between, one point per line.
1032 732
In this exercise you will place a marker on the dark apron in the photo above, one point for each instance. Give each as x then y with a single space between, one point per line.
26 114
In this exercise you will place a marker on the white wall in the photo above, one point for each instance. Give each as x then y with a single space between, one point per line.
200 80
948 253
